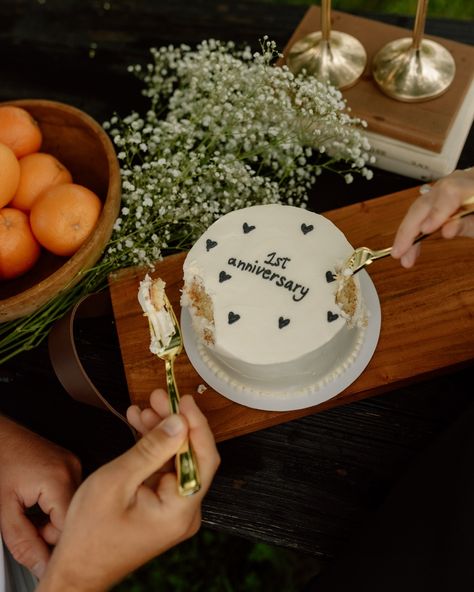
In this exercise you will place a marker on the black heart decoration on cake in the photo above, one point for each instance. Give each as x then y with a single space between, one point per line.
210 244
247 228
283 322
305 228
330 277
223 276
233 317
332 316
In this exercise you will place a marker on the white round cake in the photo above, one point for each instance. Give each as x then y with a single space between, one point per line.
260 286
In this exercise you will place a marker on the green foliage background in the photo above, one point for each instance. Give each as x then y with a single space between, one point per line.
455 9
216 562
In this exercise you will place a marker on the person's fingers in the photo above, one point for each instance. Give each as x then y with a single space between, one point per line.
409 228
134 418
447 195
145 420
441 209
467 226
451 229
55 499
202 439
150 418
50 533
150 453
409 258
460 227
22 538
159 401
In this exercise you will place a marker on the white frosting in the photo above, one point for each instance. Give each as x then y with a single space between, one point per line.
267 270
161 324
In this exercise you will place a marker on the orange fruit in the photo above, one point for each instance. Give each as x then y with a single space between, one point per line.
19 130
9 174
19 250
64 216
38 171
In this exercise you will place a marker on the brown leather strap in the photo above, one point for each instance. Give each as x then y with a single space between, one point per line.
65 359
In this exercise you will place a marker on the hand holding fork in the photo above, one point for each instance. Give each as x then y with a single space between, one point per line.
167 344
364 256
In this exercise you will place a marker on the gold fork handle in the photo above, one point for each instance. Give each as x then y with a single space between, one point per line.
186 465
380 254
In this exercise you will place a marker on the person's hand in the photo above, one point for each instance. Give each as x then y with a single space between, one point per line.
116 522
144 420
429 213
33 472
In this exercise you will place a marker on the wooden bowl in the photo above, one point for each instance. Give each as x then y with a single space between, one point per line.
81 144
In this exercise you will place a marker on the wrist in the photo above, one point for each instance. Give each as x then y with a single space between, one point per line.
59 578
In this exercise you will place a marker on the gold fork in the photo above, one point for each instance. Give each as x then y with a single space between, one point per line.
364 256
186 465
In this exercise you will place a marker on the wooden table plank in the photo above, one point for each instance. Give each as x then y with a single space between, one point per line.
424 307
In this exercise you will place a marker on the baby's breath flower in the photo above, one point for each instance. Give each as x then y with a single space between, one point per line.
225 129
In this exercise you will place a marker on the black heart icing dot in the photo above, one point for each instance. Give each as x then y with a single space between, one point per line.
282 322
233 317
330 277
247 228
305 228
332 316
223 276
210 244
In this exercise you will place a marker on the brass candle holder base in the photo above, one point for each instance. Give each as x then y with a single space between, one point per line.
339 60
411 74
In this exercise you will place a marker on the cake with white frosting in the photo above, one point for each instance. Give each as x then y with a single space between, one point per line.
260 286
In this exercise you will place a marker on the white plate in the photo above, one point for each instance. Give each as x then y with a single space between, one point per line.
295 397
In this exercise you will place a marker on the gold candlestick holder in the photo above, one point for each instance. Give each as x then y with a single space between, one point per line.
330 56
414 69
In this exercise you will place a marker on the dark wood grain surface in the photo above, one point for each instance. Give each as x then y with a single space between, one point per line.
306 484
418 312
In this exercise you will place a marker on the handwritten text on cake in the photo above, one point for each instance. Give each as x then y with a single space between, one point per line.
297 290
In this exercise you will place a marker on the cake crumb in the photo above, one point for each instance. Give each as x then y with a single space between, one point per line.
346 296
201 388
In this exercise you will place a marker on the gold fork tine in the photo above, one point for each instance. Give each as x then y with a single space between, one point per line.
362 257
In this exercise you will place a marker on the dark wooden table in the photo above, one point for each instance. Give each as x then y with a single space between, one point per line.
307 484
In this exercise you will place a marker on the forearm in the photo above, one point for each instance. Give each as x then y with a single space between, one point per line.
10 432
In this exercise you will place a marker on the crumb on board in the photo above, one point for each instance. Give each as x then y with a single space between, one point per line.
201 388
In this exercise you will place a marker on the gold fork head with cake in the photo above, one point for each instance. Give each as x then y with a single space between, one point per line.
166 343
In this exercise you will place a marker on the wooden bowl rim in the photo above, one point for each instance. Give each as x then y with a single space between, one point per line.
66 276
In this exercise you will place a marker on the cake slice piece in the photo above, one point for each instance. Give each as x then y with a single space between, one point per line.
151 296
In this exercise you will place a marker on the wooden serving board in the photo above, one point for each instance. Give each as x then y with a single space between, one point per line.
424 124
427 319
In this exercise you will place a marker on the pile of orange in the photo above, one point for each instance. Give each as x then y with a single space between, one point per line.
40 205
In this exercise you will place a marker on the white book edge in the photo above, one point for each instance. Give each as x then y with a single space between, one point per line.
413 161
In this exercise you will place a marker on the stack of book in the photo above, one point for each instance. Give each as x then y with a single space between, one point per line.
421 140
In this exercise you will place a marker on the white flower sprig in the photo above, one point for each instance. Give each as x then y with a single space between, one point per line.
226 129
